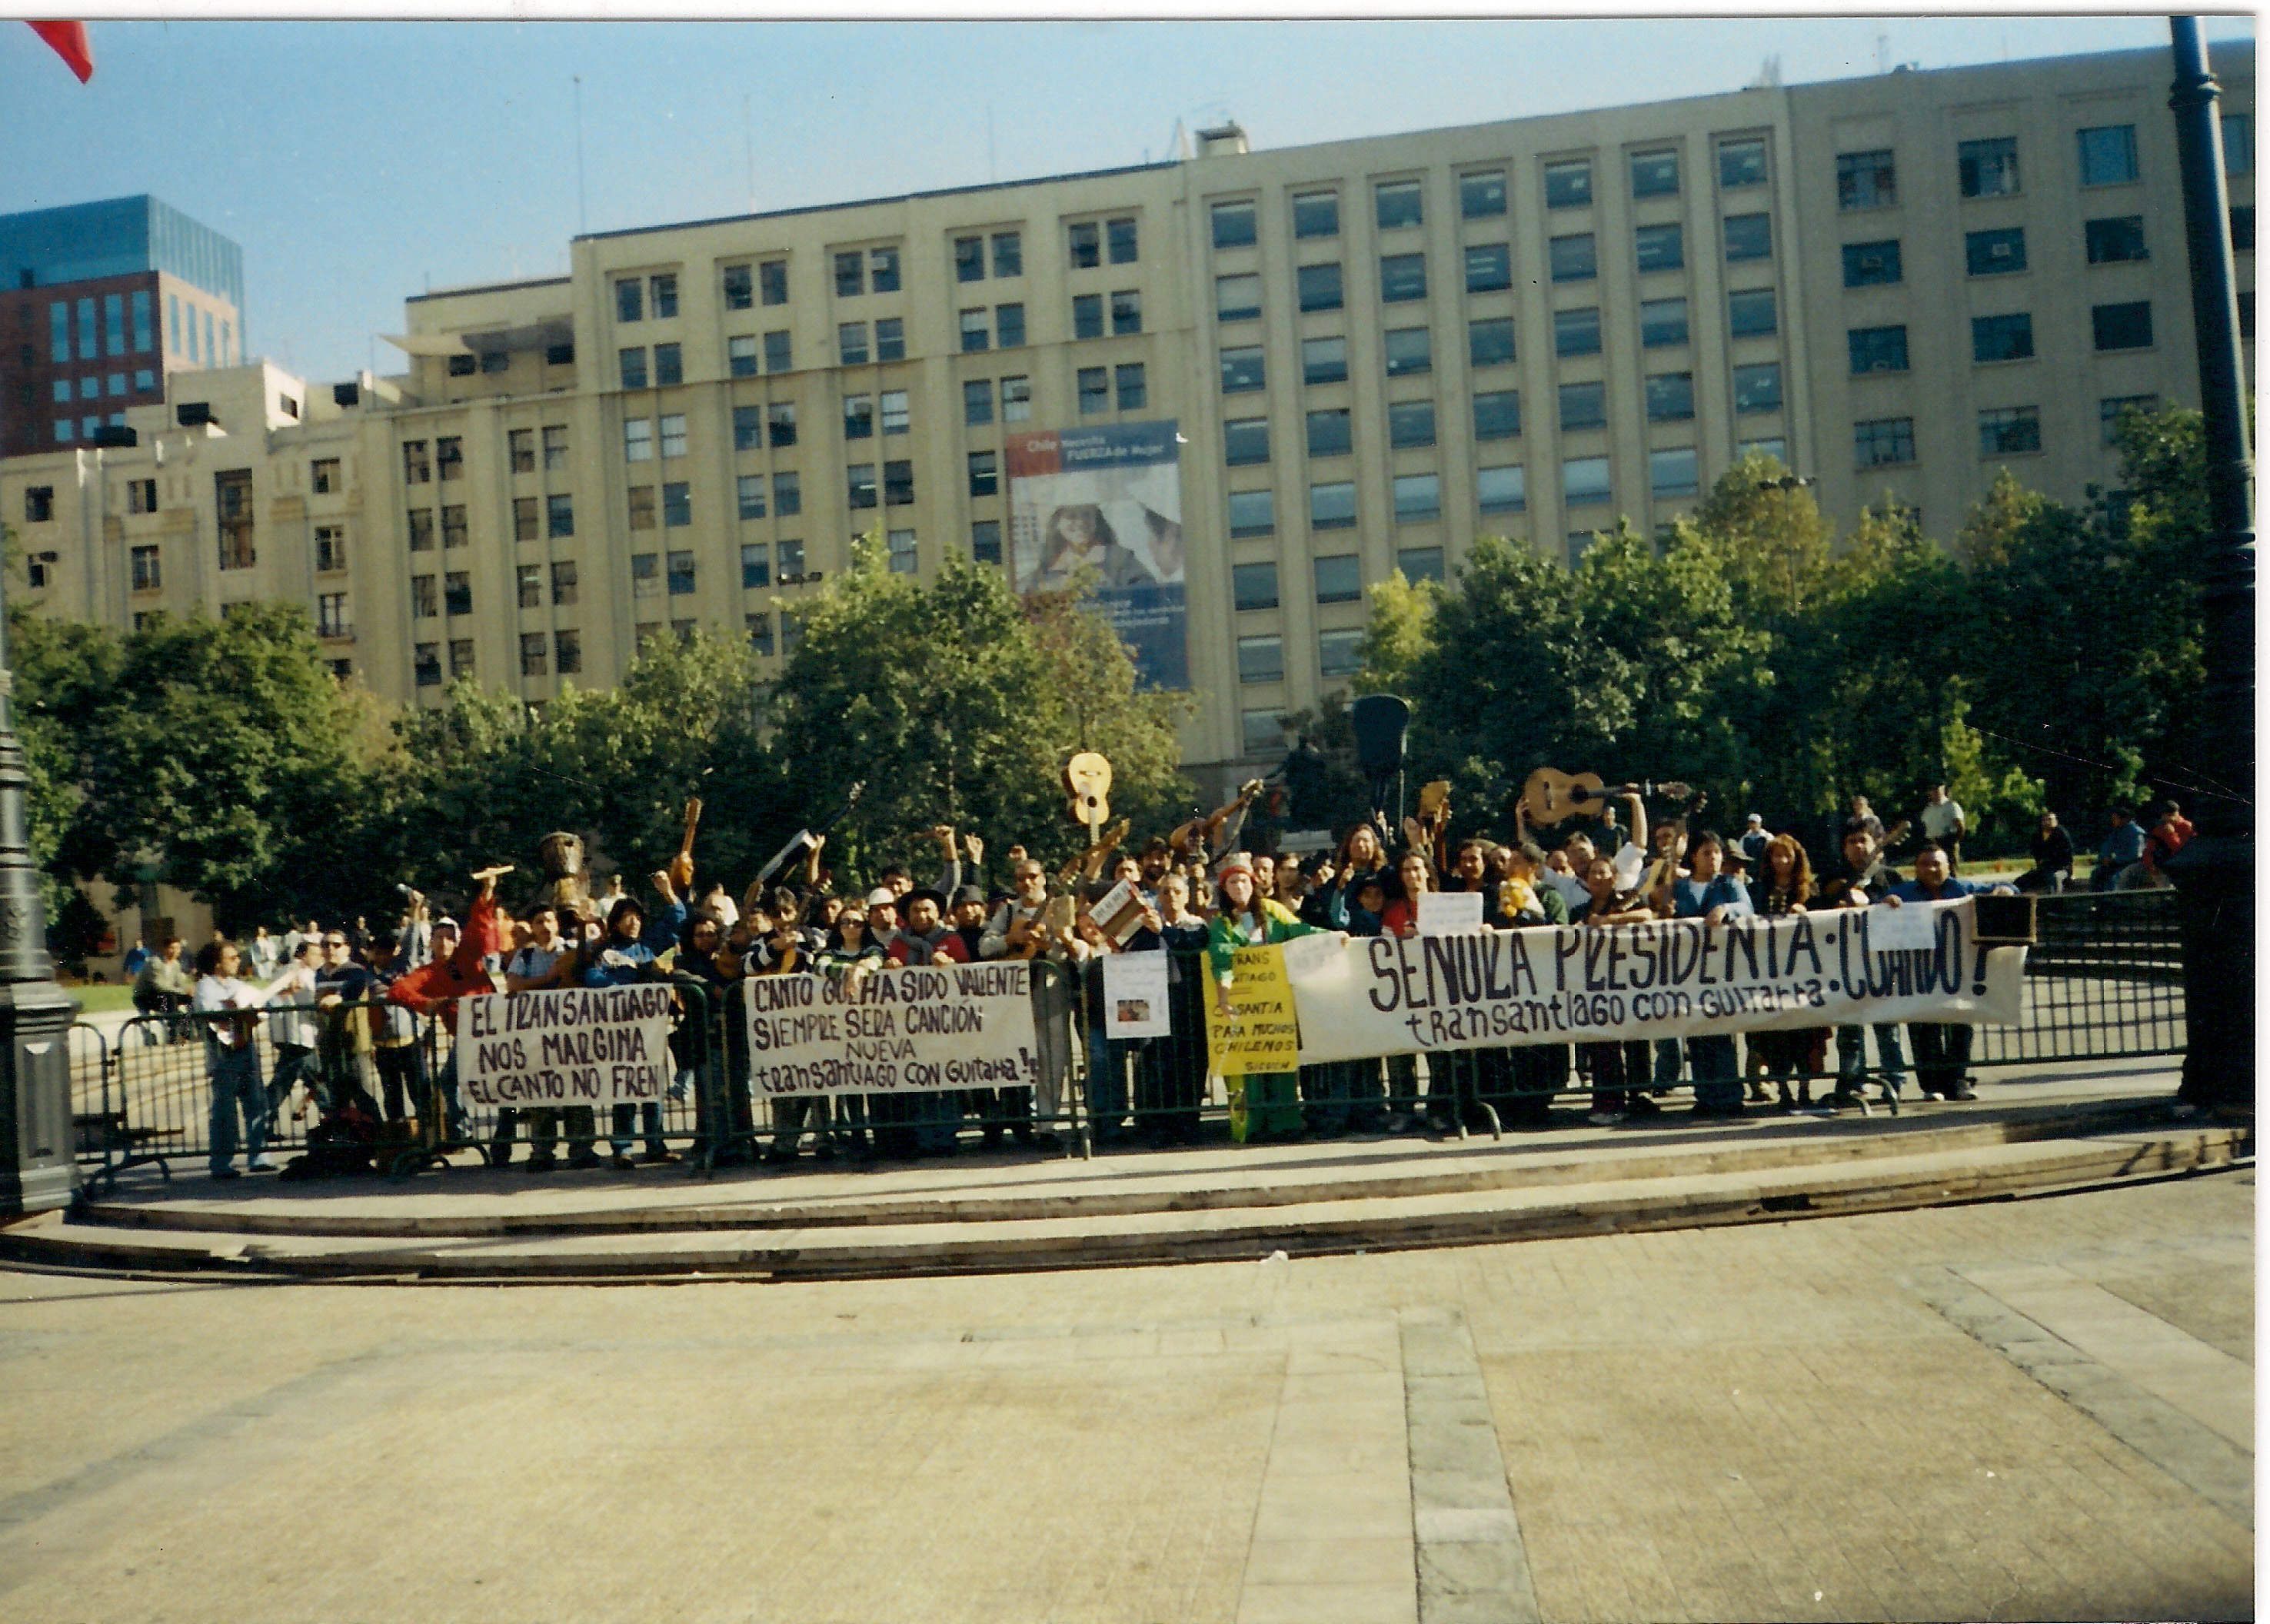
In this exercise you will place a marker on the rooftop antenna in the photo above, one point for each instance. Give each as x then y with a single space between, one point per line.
582 213
1883 52
1769 74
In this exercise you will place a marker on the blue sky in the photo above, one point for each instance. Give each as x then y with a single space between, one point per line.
358 163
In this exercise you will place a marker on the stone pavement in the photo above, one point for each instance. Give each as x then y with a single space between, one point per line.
2033 1409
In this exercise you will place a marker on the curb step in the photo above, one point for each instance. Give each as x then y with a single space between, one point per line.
1086 1240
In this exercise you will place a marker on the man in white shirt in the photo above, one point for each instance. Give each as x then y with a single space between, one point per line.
293 1032
229 1054
531 969
1942 821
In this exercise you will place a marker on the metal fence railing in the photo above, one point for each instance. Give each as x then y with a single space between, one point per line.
2104 981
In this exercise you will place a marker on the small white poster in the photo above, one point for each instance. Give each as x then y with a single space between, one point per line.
1442 913
1135 995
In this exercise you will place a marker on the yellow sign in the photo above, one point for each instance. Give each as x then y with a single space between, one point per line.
1260 1033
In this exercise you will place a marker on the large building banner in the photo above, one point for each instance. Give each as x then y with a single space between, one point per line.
1110 498
1359 996
918 1028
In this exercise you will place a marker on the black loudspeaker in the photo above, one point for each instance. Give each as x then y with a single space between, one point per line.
1380 721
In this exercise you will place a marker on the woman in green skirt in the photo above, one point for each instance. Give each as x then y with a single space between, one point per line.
1247 919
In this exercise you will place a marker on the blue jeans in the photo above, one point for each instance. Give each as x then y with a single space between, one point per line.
649 1114
1853 1058
1717 1075
1667 1063
292 1062
236 1086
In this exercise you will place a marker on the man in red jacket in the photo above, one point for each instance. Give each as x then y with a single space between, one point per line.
433 989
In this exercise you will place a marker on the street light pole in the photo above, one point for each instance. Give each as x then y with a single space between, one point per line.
2216 872
37 1171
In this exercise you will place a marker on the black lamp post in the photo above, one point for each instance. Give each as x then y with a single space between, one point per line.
2216 872
37 1171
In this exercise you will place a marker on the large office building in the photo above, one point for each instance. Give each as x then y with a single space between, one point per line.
1372 352
99 302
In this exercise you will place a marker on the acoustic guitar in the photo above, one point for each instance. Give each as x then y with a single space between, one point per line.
1551 796
1834 892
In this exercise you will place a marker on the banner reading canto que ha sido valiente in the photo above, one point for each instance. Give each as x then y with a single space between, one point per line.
1357 997
898 1031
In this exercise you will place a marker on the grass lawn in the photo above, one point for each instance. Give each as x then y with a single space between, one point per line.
105 996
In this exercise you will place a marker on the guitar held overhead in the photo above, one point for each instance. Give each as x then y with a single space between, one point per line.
1551 797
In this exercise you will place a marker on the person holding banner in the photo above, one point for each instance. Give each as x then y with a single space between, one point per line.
1619 1070
1942 1050
626 954
1704 892
1264 1105
1785 888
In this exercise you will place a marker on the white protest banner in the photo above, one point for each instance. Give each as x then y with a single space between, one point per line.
1135 995
947 1026
1665 978
1441 912
573 1046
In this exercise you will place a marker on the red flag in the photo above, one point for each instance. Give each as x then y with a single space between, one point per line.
70 41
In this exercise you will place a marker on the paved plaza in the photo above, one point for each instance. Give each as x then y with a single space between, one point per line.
2034 1409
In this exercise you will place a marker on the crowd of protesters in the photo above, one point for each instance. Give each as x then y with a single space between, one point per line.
354 1015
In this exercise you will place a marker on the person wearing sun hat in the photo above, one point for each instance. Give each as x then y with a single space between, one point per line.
1264 1105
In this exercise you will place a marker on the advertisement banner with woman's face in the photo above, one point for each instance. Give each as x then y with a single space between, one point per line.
1107 503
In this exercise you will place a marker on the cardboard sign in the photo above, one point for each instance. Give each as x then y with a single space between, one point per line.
570 1046
1441 912
1118 913
1260 1033
1135 995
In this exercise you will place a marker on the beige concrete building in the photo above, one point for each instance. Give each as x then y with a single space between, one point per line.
1375 349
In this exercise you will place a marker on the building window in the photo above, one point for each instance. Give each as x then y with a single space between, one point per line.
1084 243
1261 732
664 293
1016 399
2110 409
1482 194
1885 442
529 580
147 575
851 275
1500 489
1319 286
1417 498
1419 563
676 504
883 270
640 504
788 495
860 484
1489 342
1774 447
976 402
142 339
900 548
2002 337
1316 214
1569 185
1252 512
1577 332
1672 473
141 497
780 423
1878 349
749 496
2108 154
634 367
1088 315
521 448
985 476
1498 415
1323 360
461 657
1655 174
1871 264
645 574
681 574
1330 432
1758 389
425 597
1397 203
1410 352
457 592
427 659
556 447
772 289
749 428
1331 507
1236 299
1128 377
1573 258
638 440
859 417
1584 405
1245 441
454 532
2122 327
1584 481
1663 323
851 343
630 296
1410 424
2238 144
1009 325
1095 390
985 541
1659 248
1749 236
1402 278
559 516
969 259
417 466
1988 168
1253 586
1489 268
1339 653
1866 181
1126 313
1120 241
977 334
1995 253
233 506
1669 397
791 561
2009 431
1261 659
535 648
740 287
776 352
563 582
39 503
1233 226
2115 240
894 415
1741 163
667 368
891 338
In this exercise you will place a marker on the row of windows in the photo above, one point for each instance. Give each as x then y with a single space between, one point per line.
110 335
2115 239
2003 431
1568 184
1989 168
